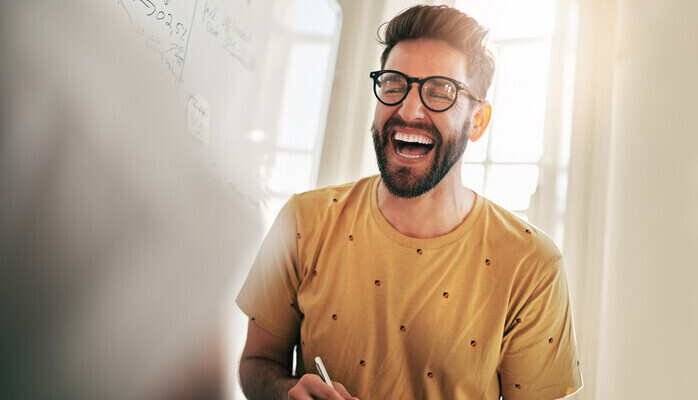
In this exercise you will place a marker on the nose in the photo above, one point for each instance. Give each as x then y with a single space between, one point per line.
411 107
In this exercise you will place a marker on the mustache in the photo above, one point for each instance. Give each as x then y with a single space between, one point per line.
397 122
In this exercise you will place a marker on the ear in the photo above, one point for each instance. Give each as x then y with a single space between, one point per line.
481 120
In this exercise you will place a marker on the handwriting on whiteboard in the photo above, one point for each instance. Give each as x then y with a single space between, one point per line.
234 36
246 197
165 26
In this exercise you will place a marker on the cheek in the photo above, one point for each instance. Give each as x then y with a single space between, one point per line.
451 130
381 114
459 126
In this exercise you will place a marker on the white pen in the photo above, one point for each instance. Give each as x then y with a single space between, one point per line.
323 372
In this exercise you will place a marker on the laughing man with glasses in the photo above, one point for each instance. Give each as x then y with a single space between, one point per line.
408 284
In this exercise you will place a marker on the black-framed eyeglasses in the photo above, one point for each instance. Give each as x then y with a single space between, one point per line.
438 93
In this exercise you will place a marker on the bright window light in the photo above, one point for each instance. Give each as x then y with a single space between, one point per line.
509 164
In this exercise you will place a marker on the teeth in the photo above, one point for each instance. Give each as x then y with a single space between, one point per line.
410 156
412 138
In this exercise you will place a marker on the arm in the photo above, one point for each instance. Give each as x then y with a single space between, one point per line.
265 366
265 371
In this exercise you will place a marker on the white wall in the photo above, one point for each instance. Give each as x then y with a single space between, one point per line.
633 201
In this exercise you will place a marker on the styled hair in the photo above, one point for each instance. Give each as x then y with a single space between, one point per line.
451 26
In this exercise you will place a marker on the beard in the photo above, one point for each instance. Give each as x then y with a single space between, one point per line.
405 182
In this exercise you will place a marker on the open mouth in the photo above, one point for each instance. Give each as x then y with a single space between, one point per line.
410 145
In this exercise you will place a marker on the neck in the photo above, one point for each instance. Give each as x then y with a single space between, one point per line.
435 213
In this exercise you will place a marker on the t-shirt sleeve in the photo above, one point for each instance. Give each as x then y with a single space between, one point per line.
268 296
539 354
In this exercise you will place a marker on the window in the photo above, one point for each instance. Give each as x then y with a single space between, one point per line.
521 162
309 65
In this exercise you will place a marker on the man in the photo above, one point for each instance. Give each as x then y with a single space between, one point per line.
408 284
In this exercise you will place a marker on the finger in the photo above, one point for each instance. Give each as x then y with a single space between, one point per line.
326 392
302 389
341 390
313 385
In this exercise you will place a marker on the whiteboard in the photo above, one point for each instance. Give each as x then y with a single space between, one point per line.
253 78
119 251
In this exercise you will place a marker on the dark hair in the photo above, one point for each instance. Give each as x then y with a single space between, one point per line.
453 27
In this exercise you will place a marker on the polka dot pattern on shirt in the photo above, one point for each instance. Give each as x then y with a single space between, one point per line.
445 294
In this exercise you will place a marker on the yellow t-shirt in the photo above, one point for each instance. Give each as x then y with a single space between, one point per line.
481 311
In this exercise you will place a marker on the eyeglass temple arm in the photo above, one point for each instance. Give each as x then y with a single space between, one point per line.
462 86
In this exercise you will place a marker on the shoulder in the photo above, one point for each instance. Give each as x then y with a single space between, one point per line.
336 193
319 202
324 215
527 258
521 238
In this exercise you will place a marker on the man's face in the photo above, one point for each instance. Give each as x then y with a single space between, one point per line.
416 147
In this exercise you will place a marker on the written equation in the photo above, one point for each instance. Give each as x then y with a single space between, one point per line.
165 26
234 35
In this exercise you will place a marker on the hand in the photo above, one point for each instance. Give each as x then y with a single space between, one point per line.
311 386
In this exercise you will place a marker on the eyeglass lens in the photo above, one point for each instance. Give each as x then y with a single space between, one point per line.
437 94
